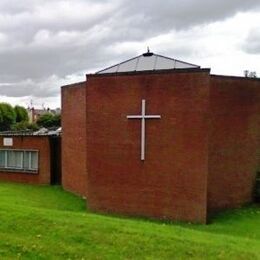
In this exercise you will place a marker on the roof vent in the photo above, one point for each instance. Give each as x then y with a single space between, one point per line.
148 53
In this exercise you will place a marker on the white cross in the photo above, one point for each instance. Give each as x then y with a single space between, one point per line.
143 116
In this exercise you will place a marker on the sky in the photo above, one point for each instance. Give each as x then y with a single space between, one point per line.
47 44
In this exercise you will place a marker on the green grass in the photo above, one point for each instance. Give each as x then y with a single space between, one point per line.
43 222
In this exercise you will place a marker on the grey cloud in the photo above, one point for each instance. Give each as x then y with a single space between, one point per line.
45 88
65 37
179 14
252 42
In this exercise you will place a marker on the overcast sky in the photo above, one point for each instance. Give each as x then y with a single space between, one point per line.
46 44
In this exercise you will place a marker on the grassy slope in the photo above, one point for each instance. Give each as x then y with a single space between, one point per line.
48 223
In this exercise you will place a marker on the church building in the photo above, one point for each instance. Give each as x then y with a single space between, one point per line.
161 138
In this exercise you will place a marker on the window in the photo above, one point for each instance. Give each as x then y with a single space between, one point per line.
19 160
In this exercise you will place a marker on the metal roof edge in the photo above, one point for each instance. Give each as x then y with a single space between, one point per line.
161 71
234 77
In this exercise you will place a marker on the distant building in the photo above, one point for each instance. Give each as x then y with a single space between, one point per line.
34 113
162 138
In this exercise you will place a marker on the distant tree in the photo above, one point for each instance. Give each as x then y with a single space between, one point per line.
250 74
57 120
7 116
21 114
48 120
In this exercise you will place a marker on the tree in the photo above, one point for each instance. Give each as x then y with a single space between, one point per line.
21 114
57 120
48 120
7 116
250 74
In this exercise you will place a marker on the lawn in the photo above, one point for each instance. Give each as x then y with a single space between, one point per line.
45 222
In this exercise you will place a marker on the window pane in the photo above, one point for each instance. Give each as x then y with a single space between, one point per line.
26 160
34 160
14 159
2 159
19 159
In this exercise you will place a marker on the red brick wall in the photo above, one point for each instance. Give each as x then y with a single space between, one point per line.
74 174
171 182
40 143
233 132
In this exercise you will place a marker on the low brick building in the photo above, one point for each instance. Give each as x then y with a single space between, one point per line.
28 157
161 138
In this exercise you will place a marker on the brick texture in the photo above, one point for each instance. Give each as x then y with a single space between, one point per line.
233 141
201 156
171 182
40 143
74 174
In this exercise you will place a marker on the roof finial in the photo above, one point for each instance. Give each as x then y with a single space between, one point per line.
148 53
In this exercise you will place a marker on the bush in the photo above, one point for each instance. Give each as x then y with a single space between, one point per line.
32 126
48 120
25 126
